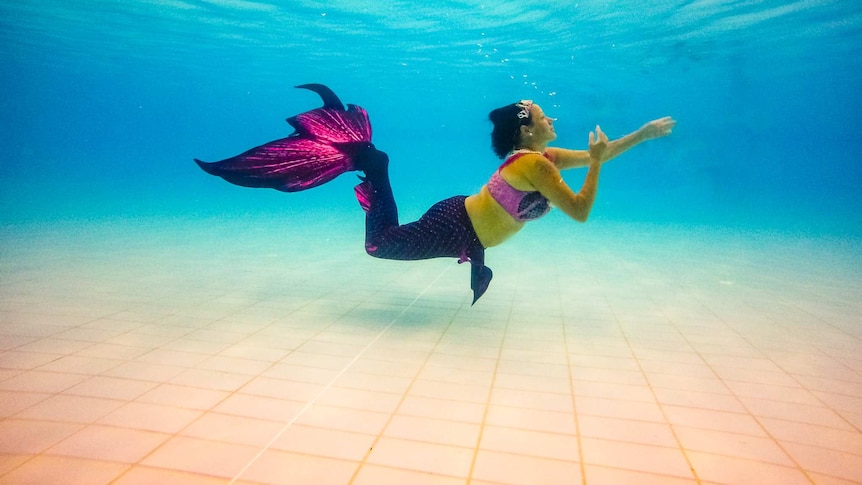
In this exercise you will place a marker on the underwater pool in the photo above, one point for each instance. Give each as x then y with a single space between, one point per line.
158 325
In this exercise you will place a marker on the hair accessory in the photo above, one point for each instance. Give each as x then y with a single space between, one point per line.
525 105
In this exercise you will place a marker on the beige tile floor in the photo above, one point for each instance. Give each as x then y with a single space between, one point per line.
198 352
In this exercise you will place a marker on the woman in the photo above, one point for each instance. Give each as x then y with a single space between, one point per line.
332 140
524 188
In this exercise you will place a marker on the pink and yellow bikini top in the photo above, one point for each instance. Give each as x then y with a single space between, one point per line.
522 206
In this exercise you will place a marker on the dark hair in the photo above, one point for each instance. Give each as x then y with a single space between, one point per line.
507 125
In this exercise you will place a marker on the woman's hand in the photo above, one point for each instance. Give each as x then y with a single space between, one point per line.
657 128
598 145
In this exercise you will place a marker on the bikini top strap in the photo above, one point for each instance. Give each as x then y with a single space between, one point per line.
516 156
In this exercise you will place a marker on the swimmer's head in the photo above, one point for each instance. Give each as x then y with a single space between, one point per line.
515 121
508 121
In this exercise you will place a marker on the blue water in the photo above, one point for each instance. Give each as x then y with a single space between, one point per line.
105 103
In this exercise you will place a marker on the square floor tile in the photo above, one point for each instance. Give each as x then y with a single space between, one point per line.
380 475
111 388
532 400
71 409
183 397
506 468
424 457
383 402
233 429
844 464
531 419
260 407
442 409
331 443
13 402
762 449
723 469
630 431
557 446
637 457
283 468
112 444
18 436
344 419
620 409
66 470
433 431
597 475
39 381
141 475
202 456
150 417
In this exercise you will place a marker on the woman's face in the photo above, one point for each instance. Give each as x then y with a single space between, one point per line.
541 126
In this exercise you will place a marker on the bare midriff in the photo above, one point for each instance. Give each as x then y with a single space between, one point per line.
492 223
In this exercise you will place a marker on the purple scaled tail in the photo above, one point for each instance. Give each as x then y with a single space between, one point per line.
325 144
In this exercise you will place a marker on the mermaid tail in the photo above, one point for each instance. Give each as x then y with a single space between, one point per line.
331 140
325 144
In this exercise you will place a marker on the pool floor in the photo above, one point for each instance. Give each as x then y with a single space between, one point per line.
205 352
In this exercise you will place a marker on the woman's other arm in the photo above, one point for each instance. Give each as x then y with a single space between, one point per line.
546 177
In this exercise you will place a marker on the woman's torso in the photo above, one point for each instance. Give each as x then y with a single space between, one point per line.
492 222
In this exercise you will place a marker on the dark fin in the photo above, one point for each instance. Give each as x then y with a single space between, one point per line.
480 278
326 143
330 100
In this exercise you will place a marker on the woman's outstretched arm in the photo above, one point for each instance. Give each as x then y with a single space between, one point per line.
564 158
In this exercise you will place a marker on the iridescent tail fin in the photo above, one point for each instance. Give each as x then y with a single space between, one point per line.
325 144
364 192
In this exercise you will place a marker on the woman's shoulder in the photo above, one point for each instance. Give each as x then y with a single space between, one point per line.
529 159
524 157
527 167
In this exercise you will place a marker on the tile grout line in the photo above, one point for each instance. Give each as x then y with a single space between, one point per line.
645 376
814 347
203 412
178 433
392 415
487 409
328 386
748 412
747 409
230 394
63 391
581 464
